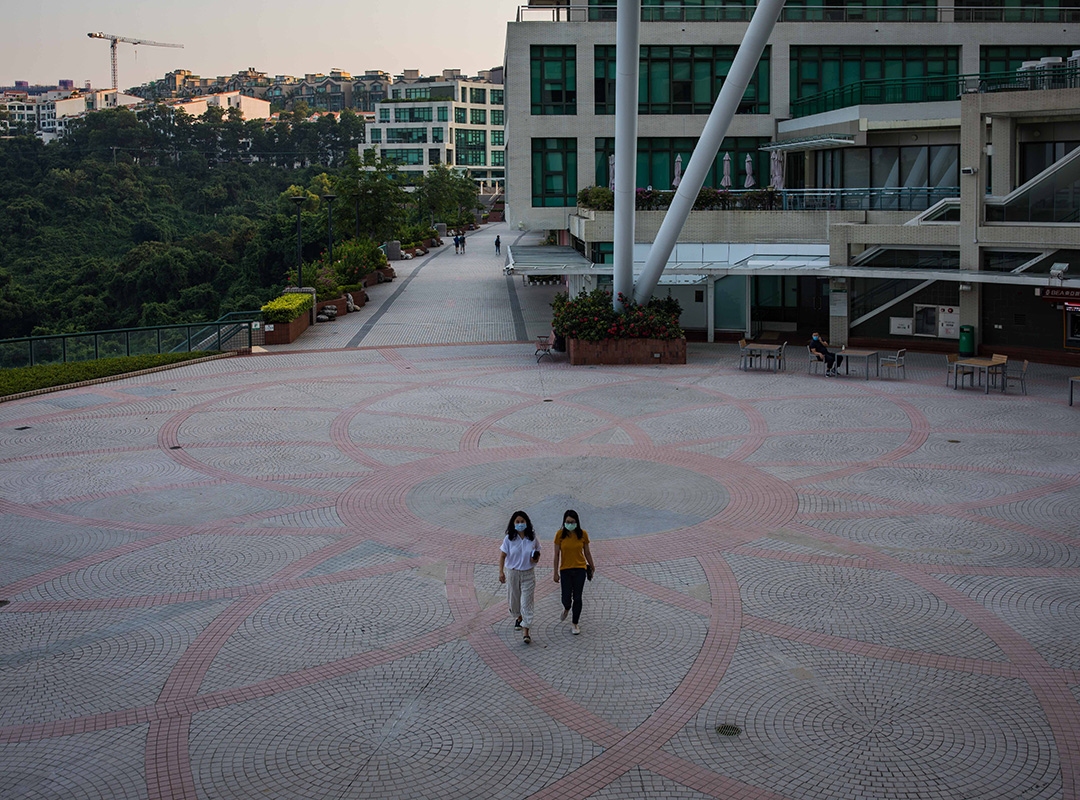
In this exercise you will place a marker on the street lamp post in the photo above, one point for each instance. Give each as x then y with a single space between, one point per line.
358 215
299 245
330 198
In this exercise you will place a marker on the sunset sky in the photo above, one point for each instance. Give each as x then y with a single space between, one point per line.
46 40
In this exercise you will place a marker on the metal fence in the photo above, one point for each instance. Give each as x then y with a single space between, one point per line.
583 12
236 331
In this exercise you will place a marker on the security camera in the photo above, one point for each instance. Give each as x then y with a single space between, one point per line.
1058 270
968 170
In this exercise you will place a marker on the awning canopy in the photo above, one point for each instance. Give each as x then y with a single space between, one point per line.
822 141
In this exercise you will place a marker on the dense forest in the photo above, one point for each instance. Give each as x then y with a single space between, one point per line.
160 218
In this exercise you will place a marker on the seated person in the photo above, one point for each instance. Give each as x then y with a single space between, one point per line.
832 360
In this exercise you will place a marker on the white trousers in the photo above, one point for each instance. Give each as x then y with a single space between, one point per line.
521 586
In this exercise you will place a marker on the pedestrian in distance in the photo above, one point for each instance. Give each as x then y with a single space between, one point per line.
498 245
463 241
573 565
518 555
457 243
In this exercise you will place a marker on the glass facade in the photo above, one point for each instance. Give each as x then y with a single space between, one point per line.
554 172
422 114
406 135
460 116
376 135
860 11
478 96
997 58
436 134
656 160
498 116
1017 11
680 11
471 148
497 138
1037 156
497 96
403 156
815 69
918 176
443 114
498 158
680 80
553 79
477 116
384 115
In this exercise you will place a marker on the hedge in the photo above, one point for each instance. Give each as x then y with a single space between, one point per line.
287 307
26 379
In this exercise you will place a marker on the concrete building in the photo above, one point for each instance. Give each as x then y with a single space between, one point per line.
48 114
250 107
920 156
448 119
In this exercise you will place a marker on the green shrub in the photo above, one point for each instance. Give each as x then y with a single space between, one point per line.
42 376
356 258
591 317
287 307
597 197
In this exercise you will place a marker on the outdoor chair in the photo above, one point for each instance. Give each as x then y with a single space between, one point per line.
815 361
959 371
1020 378
895 362
998 359
544 345
779 356
746 357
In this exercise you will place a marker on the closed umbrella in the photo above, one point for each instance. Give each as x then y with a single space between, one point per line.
726 180
776 168
749 183
678 173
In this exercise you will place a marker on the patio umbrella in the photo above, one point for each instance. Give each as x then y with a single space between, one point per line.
611 172
776 168
678 173
749 183
725 181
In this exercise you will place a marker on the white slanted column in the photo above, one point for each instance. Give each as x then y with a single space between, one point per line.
627 57
742 69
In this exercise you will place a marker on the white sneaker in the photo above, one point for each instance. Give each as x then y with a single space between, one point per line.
577 630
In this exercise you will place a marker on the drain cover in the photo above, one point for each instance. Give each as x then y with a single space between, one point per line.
953 441
23 428
4 603
175 447
728 730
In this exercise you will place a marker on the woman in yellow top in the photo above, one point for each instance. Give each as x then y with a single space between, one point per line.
572 550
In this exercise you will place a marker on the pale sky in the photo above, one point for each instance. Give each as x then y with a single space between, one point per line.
45 40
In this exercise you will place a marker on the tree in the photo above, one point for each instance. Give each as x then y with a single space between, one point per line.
375 181
449 195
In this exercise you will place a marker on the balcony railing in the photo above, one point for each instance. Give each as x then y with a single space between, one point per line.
828 13
934 88
900 198
231 332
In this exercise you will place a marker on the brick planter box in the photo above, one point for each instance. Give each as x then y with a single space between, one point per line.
627 351
341 304
286 332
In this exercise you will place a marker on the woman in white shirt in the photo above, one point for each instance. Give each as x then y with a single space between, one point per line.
518 555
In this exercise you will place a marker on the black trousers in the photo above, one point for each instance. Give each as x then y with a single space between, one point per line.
572 582
832 360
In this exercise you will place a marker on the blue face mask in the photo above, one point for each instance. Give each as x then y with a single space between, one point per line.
816 339
520 527
570 526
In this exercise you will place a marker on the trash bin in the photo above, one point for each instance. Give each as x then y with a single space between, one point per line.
967 340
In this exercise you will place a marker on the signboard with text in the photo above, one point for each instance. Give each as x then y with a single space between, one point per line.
1058 294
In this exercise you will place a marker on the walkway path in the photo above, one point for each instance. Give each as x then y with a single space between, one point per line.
444 298
274 577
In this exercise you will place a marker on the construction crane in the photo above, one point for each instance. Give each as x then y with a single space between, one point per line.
112 46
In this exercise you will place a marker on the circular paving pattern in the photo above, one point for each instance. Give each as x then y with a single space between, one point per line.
275 577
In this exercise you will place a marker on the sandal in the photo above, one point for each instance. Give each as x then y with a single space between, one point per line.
527 639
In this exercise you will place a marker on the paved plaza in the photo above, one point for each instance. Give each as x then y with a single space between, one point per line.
276 576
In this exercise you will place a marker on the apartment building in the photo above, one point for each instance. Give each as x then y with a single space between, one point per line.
450 119
48 114
250 107
920 154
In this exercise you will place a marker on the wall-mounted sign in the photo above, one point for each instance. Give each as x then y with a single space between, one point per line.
900 326
1056 294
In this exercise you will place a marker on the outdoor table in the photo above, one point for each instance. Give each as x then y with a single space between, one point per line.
987 365
865 355
1074 381
763 350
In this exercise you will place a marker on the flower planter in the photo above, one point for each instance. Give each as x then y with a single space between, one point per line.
286 332
341 304
627 351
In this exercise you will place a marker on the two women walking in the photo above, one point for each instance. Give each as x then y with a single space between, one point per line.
519 554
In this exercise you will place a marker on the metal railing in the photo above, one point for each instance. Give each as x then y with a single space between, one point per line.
826 13
938 88
900 198
231 332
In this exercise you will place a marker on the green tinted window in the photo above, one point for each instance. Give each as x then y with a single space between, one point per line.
554 172
553 79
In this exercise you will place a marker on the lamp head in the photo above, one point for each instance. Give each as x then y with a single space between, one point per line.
298 199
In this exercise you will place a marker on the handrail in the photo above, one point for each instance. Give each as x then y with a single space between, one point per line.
221 334
934 88
891 198
583 12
